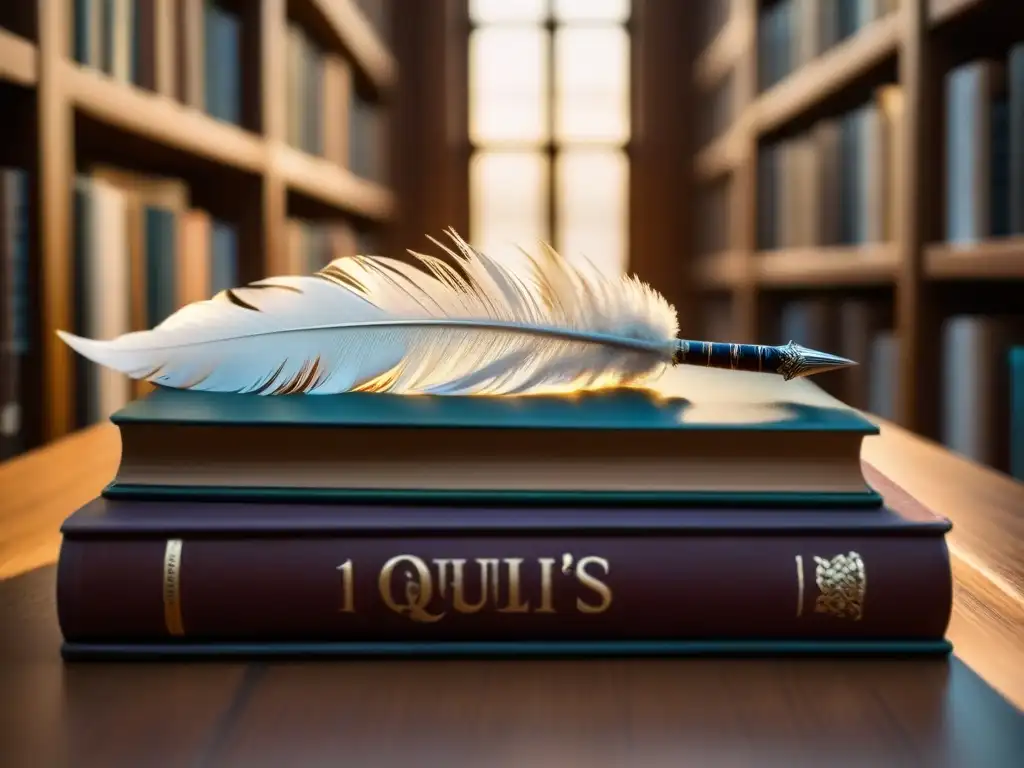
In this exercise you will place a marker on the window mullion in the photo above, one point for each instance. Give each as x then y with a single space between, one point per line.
551 148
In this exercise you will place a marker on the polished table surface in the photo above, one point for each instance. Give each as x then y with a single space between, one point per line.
962 711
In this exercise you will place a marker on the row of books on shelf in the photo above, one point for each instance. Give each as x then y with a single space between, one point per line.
326 114
791 33
834 184
985 148
980 375
312 245
141 251
188 50
195 52
15 310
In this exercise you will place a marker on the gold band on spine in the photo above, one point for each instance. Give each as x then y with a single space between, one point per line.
172 588
799 585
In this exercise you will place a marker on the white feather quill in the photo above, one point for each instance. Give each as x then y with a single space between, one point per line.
380 324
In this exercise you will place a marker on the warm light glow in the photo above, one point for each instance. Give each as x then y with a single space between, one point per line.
515 197
508 197
507 81
592 189
589 10
491 11
592 84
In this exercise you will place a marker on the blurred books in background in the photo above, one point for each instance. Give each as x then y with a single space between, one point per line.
15 310
827 117
140 252
194 51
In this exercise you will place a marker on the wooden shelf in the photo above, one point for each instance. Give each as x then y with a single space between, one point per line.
18 59
173 125
942 11
324 181
832 72
347 23
722 155
827 266
162 120
722 53
726 269
990 260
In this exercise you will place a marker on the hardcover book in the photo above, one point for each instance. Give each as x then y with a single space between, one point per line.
138 578
699 436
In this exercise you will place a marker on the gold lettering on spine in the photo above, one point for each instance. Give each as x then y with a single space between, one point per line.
419 589
592 582
172 588
347 588
488 584
515 600
442 576
799 585
547 565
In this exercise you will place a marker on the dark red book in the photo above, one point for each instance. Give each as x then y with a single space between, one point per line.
164 577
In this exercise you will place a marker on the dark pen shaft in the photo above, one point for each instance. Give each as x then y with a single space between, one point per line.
790 360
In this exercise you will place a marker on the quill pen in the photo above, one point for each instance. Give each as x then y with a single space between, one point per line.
383 325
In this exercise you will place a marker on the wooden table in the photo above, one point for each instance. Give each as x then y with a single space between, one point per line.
963 712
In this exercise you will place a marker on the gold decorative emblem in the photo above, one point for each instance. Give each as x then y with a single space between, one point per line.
841 585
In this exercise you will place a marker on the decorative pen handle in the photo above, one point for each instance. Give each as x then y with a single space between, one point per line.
735 357
789 361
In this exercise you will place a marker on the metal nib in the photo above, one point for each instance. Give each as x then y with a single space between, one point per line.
799 362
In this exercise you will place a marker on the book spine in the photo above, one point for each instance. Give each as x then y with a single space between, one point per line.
829 21
858 322
110 289
82 204
194 241
828 171
81 35
161 282
1016 387
14 307
222 58
971 92
1016 128
540 588
974 349
164 55
223 257
296 93
883 383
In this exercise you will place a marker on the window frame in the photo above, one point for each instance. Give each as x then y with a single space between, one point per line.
551 148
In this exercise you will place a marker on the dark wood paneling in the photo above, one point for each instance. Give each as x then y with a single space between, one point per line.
661 194
429 123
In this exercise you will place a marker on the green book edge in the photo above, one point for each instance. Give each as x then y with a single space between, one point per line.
867 499
413 650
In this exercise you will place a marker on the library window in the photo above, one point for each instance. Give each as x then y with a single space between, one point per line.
549 121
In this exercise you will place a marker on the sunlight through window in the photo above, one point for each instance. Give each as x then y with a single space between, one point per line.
549 95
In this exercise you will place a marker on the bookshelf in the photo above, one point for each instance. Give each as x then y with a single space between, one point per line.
894 231
198 97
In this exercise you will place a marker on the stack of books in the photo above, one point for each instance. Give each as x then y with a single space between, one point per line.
719 513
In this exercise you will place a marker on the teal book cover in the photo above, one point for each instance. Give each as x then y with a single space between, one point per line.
683 399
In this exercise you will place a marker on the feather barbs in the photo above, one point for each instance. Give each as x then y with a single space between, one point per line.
472 326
